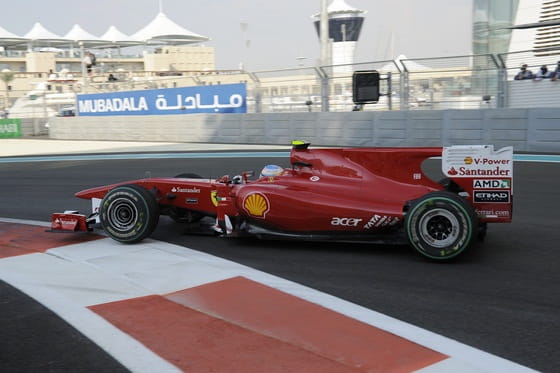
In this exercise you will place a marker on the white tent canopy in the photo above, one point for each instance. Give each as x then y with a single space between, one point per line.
162 30
117 38
410 65
113 34
4 34
77 34
8 39
39 33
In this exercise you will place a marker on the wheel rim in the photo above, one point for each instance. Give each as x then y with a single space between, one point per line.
439 228
122 214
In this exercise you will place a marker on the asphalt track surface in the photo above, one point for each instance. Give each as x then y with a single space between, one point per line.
503 297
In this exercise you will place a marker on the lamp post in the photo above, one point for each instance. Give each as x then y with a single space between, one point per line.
246 43
301 60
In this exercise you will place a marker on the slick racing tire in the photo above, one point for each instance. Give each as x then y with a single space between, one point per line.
441 225
129 213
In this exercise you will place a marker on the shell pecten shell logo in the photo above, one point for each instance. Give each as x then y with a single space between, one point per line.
256 204
468 160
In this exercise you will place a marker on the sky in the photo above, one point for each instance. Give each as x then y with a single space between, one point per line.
280 33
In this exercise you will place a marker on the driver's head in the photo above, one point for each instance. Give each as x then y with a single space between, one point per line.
271 170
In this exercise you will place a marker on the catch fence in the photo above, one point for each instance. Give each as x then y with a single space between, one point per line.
456 82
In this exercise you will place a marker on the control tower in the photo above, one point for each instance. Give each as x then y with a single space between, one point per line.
345 24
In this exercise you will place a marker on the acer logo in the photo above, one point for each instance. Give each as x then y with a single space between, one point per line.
346 222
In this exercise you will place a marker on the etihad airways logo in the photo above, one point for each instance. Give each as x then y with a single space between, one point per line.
491 196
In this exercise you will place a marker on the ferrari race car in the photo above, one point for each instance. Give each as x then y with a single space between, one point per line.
374 195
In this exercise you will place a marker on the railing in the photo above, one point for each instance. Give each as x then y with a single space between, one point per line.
532 92
457 82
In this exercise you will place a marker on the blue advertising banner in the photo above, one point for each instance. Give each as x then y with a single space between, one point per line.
226 98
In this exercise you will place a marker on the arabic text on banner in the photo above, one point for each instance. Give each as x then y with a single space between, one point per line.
227 98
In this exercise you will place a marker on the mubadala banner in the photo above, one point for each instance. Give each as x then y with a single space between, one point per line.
226 98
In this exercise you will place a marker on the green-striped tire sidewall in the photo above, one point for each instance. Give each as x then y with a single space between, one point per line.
453 205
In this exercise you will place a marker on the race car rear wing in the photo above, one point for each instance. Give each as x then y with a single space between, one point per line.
485 176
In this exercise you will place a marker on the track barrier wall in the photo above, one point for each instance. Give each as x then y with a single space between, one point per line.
527 130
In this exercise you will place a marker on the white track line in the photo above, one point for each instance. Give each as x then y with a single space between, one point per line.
69 278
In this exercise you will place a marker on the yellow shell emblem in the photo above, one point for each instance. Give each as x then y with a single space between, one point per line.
256 205
468 160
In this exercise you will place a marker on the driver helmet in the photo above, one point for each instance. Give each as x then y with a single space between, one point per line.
271 170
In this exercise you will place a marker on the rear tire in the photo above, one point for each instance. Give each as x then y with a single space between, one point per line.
129 213
441 225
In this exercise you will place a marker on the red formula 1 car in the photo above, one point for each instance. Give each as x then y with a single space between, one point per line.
338 194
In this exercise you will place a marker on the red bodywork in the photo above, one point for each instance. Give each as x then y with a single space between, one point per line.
72 222
342 190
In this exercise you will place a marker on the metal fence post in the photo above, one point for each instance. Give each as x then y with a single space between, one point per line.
501 99
325 88
404 90
325 94
390 90
257 92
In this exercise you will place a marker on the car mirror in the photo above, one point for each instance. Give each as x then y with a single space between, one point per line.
302 164
247 174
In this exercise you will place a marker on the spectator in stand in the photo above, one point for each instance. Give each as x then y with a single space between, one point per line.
524 73
556 72
88 62
543 73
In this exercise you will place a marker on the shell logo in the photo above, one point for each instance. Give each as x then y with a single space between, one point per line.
256 205
468 160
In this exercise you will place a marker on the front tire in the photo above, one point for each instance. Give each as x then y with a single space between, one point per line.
129 213
441 225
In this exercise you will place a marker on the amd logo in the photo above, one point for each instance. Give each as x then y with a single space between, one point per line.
491 196
491 183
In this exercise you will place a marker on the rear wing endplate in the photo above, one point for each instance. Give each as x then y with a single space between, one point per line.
486 175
